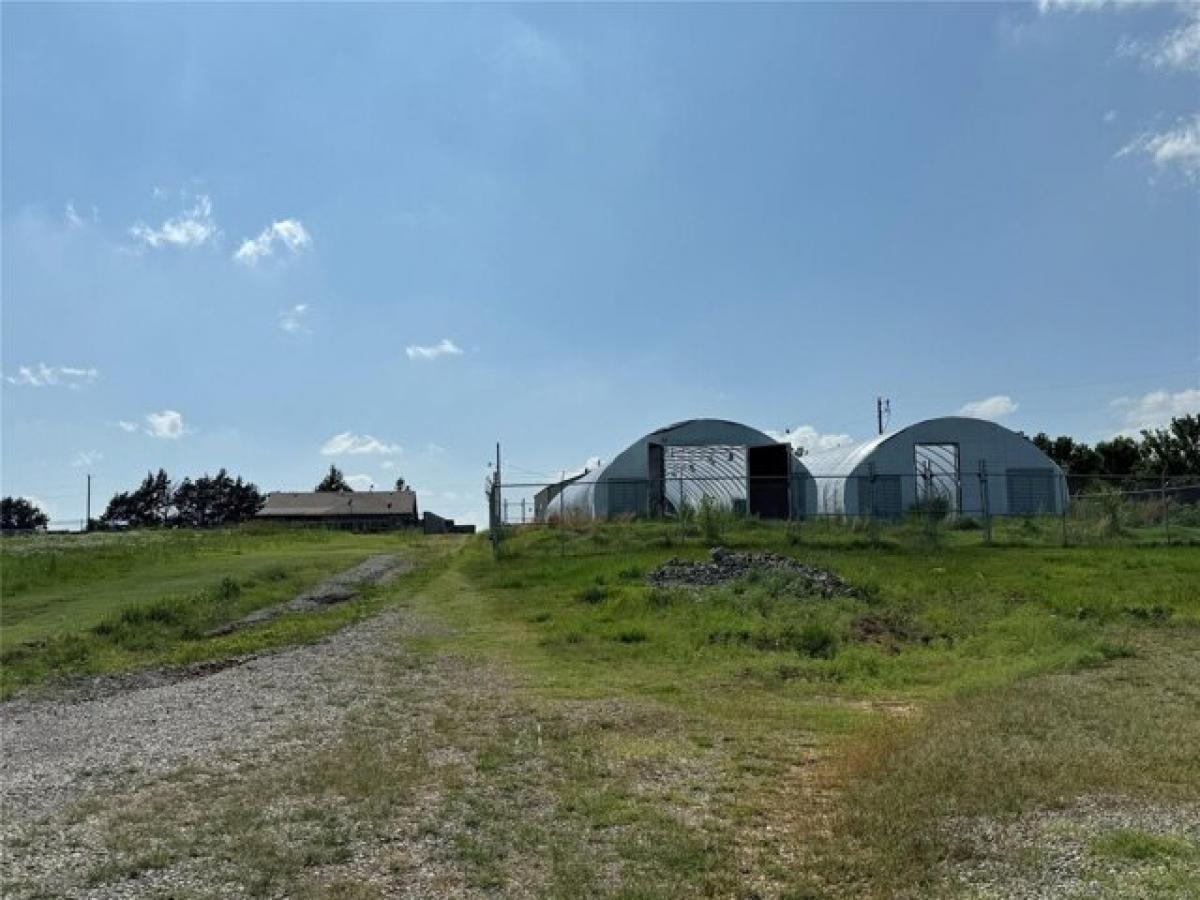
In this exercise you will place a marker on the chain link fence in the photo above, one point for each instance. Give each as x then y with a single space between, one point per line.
1015 507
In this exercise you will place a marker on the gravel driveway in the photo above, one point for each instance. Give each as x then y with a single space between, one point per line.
98 741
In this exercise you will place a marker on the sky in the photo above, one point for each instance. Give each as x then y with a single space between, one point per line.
387 237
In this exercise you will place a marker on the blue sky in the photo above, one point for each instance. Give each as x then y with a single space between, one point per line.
388 236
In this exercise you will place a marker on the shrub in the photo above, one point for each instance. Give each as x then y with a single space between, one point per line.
711 518
593 594
818 640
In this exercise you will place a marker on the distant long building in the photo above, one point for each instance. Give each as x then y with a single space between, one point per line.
357 510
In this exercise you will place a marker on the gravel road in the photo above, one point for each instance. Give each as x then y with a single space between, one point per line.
57 751
107 738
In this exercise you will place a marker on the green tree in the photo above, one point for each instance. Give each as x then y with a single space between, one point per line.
1120 456
215 500
149 505
335 481
1174 450
19 514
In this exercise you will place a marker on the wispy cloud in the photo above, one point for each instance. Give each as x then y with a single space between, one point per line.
294 319
360 482
1177 50
85 458
127 426
1047 6
995 407
287 233
191 228
43 375
1177 147
74 219
349 443
1156 409
809 439
167 425
444 347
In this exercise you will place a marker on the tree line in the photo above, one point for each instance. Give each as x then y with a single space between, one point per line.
207 502
1174 450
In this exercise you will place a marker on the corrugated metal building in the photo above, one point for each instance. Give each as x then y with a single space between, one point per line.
739 467
362 511
963 464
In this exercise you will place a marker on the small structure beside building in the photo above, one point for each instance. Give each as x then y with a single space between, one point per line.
356 511
432 523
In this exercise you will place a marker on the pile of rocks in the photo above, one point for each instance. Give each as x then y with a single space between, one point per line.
728 565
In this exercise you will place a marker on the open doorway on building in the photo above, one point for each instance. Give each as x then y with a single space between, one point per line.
768 469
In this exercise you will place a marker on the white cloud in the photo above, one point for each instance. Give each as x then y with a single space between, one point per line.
73 218
43 375
1110 116
85 458
1179 146
167 425
360 482
289 233
996 407
808 439
444 347
293 319
1156 409
191 228
349 443
1178 49
126 426
1085 5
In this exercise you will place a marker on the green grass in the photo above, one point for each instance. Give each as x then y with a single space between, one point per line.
1140 846
98 604
577 730
1037 674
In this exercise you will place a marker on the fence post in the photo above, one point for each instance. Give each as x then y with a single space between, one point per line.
986 501
562 514
1066 493
1166 508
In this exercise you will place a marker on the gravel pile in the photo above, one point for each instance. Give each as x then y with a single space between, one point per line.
728 565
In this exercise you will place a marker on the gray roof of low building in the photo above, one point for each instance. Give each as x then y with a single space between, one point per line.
281 504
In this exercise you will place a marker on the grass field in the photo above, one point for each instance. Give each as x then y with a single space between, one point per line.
90 604
970 719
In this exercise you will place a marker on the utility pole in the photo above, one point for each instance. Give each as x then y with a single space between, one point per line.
87 523
882 406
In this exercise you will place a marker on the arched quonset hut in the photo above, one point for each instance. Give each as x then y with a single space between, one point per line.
739 467
951 459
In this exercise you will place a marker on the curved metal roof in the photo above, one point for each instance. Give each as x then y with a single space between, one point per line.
844 460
